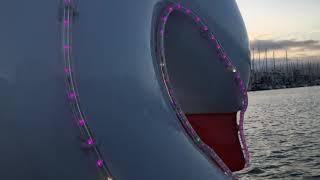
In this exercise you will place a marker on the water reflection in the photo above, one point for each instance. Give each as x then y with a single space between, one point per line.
283 132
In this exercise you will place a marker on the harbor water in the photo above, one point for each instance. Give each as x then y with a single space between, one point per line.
283 133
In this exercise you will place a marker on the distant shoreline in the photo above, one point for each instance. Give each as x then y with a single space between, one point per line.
286 87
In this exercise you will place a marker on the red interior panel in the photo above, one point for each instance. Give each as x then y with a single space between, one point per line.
220 132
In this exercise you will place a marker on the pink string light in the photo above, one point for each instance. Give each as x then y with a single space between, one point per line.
100 163
66 47
69 9
67 70
66 22
72 95
81 122
228 64
90 141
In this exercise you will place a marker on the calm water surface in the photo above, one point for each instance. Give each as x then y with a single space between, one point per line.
283 133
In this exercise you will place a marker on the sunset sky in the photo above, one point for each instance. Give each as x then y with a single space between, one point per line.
283 24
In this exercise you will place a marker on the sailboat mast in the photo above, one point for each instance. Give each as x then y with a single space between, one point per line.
266 56
253 59
274 62
287 62
259 59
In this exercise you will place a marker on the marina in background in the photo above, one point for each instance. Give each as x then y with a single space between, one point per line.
279 73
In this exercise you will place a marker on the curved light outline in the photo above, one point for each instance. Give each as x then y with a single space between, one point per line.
74 99
72 92
169 8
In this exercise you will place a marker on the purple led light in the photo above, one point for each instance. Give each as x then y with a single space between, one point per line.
81 122
243 88
161 32
72 95
90 141
66 46
100 163
66 22
238 75
67 70
188 11
164 18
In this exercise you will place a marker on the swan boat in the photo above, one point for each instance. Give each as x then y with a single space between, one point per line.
125 90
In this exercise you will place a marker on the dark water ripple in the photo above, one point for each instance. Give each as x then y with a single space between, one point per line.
283 132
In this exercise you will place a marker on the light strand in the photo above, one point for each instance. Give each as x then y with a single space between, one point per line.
224 58
72 93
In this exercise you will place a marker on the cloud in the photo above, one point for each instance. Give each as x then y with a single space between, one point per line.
286 44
